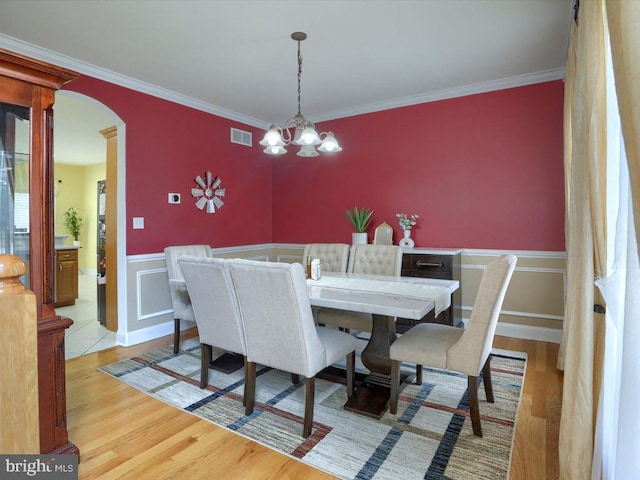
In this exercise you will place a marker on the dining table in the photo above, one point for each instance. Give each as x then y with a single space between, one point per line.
385 298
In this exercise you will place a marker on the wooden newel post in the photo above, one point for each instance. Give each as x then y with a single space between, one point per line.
19 422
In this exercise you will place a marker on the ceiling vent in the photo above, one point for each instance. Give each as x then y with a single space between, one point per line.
241 137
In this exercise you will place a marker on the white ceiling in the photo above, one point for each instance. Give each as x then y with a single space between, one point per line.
236 58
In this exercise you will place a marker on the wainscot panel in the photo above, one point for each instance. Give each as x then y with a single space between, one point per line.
533 308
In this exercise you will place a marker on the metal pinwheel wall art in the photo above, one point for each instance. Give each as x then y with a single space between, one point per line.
208 194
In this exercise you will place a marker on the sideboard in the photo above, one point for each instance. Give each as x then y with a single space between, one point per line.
443 263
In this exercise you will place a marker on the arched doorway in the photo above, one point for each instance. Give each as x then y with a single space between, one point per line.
80 157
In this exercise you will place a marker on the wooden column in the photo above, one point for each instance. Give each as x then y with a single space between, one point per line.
19 421
111 244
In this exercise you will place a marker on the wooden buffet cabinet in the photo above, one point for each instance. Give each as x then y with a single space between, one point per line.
441 263
66 276
27 91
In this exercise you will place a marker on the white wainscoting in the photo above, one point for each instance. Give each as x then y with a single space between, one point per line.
533 308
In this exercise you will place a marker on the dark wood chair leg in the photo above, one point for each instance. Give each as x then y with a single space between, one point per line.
474 407
351 370
250 388
246 376
176 335
205 354
486 379
308 406
418 374
295 378
395 387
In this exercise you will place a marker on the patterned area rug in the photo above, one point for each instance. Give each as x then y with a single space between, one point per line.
429 438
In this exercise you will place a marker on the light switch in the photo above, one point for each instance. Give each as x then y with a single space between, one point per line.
138 223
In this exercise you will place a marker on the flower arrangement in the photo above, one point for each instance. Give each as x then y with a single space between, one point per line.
406 221
359 218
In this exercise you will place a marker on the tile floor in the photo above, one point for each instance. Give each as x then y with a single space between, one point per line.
86 335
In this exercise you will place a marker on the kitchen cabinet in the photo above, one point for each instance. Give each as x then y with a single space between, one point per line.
66 276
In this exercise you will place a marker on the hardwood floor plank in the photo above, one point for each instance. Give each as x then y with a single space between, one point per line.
125 434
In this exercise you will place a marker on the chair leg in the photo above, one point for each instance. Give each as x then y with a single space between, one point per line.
308 406
351 370
486 379
250 388
395 387
246 376
176 335
474 407
205 354
295 378
418 374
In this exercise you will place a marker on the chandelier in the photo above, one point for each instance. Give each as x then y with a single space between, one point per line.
305 134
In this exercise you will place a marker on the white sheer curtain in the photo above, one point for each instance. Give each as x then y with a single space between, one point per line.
617 436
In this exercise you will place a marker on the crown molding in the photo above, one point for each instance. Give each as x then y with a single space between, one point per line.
447 93
101 73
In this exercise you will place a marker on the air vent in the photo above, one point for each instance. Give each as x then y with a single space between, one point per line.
241 137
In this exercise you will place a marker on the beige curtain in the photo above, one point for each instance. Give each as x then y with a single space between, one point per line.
624 32
585 226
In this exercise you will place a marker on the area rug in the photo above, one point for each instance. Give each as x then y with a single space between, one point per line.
429 438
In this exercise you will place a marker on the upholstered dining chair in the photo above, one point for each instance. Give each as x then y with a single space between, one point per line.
215 307
333 256
366 259
467 351
182 309
279 328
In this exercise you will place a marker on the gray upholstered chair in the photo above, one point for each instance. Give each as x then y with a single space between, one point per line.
367 259
215 307
180 301
279 328
465 351
333 256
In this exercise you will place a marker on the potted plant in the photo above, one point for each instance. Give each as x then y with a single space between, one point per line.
360 218
73 222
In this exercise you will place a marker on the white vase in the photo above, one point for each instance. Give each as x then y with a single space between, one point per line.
407 241
359 238
76 243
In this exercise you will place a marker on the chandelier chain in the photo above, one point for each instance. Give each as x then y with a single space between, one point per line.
299 75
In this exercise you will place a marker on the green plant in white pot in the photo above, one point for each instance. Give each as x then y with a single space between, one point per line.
360 218
73 222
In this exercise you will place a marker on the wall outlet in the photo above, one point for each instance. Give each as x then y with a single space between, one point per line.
138 223
174 198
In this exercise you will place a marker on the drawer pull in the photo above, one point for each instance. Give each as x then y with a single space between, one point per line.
420 264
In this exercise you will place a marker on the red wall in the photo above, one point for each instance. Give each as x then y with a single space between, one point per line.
481 171
167 146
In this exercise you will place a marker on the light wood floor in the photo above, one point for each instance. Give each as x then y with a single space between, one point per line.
122 433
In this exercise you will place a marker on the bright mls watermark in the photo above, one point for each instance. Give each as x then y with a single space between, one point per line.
50 467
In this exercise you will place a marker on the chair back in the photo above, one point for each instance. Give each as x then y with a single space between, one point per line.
469 354
276 312
179 296
333 256
375 260
172 254
214 301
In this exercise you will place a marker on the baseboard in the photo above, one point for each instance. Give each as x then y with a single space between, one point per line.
528 332
142 335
